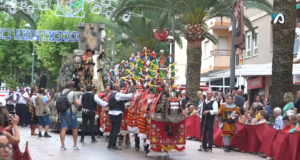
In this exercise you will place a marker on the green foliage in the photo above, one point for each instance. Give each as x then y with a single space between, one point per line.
15 56
52 53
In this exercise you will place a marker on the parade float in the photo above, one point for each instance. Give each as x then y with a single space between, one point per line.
154 115
86 65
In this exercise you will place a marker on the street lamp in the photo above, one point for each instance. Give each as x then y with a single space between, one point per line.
33 50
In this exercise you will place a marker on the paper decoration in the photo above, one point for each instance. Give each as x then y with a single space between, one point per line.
26 6
39 35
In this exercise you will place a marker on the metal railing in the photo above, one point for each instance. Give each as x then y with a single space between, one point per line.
220 52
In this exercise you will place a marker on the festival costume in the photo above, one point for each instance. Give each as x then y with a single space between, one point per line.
226 112
33 117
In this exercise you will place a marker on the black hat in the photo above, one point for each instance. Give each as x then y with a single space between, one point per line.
89 50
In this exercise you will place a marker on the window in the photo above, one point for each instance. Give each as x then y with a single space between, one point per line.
248 46
207 50
255 46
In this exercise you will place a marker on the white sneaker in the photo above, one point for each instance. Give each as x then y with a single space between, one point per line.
269 158
63 148
76 148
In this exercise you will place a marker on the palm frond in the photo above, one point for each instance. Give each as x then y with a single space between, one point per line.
211 38
259 7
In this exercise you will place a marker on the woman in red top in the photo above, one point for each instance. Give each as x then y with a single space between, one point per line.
288 124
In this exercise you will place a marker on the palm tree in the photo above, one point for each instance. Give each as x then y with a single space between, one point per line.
283 39
137 31
194 14
19 15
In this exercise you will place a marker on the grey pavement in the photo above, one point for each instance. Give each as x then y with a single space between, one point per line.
49 149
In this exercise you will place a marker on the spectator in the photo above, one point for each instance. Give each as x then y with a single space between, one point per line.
262 116
268 106
256 111
246 104
250 119
239 99
5 147
203 97
242 117
278 125
192 110
7 123
290 112
293 119
234 92
289 123
67 118
297 103
42 111
289 99
199 94
297 129
256 103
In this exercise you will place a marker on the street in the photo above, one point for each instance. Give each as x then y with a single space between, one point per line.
49 149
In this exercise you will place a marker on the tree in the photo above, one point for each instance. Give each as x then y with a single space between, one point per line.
193 14
283 39
19 15
15 56
51 54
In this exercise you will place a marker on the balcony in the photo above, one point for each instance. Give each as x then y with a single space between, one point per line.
218 60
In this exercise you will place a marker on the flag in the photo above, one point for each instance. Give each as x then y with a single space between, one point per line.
238 11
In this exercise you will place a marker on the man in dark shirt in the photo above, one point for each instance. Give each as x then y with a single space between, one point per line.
297 104
239 99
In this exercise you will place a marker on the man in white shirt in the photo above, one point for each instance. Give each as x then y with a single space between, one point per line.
297 30
22 97
10 98
116 110
209 110
89 102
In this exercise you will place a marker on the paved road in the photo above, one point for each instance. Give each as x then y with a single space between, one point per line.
49 149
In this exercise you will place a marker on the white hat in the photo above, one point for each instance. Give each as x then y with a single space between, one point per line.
162 50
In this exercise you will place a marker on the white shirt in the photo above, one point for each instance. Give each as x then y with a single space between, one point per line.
120 97
32 99
96 99
215 107
297 31
10 102
22 100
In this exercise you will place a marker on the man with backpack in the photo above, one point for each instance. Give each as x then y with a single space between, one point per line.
67 105
89 102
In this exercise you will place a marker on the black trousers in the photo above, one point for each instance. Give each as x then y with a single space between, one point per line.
88 118
27 116
10 107
21 112
115 129
209 127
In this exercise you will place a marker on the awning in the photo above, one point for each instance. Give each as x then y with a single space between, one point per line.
252 70
209 72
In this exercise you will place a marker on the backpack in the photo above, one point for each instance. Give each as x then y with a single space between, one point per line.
62 103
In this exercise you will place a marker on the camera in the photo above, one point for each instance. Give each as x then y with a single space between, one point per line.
11 114
44 112
85 110
170 39
47 90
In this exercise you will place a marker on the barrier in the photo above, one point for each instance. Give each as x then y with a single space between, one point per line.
253 138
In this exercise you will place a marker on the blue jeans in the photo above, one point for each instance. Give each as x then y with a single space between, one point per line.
44 120
66 120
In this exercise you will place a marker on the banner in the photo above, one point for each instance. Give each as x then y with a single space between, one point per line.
39 35
238 11
253 138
